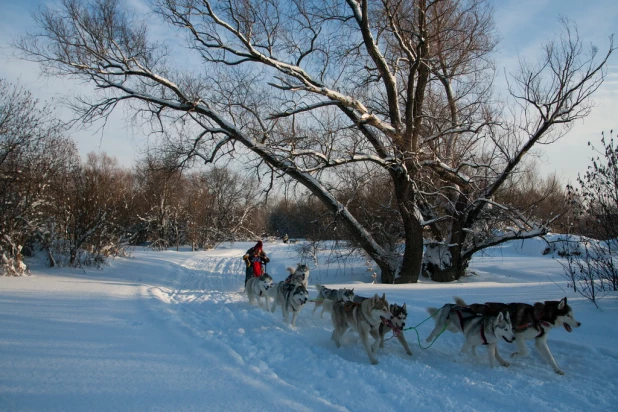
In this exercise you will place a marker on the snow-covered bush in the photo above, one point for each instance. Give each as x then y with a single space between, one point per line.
32 148
593 269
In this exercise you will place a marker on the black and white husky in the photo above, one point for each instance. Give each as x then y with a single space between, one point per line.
258 288
532 322
396 324
291 297
365 318
299 276
477 329
326 297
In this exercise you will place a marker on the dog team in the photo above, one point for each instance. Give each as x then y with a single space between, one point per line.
480 323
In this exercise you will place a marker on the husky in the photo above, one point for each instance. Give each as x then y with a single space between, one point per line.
365 318
258 288
477 329
326 298
358 298
533 322
299 276
290 297
397 324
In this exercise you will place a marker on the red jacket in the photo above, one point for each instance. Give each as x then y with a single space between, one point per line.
256 260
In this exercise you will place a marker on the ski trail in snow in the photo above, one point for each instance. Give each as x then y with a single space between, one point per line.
209 302
172 330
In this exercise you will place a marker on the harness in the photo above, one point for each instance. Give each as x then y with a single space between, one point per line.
538 325
461 320
349 305
461 323
541 324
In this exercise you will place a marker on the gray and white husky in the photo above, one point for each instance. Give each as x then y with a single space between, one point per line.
259 287
396 324
363 317
291 298
532 322
477 329
326 298
299 276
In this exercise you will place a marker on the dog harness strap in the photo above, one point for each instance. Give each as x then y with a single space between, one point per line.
349 305
483 335
461 320
524 327
541 321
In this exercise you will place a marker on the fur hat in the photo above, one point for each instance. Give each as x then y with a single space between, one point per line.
258 245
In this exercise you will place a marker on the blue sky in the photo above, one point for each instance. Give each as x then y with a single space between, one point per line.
523 26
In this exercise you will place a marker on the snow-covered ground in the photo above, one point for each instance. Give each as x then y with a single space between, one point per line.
172 331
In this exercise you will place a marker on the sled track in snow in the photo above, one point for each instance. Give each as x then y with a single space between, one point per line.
210 302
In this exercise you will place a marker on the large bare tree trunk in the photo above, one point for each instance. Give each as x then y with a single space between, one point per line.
413 251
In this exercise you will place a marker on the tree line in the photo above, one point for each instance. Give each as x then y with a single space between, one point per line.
397 94
82 211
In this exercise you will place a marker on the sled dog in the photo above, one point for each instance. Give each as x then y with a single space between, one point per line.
477 329
397 324
258 288
326 298
363 317
532 322
291 298
299 276
358 299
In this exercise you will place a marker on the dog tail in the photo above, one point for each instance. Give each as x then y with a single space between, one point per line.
459 301
291 270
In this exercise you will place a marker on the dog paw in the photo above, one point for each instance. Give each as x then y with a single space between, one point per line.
374 361
505 364
409 352
559 372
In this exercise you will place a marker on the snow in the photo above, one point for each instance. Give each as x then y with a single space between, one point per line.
172 331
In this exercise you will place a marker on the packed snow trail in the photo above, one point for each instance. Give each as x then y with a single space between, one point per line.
111 345
173 331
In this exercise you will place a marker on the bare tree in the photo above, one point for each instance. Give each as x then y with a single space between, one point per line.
159 206
591 262
89 205
31 149
219 205
310 90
